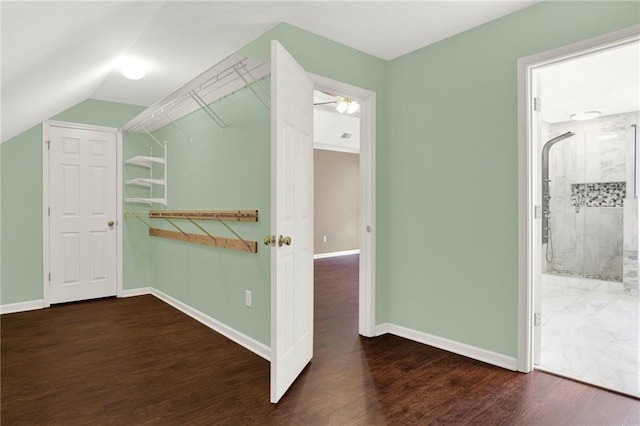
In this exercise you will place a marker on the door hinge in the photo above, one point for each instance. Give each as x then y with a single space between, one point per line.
49 276
536 319
537 104
537 210
48 145
49 211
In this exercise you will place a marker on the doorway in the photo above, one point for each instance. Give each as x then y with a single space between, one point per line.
366 202
336 142
336 168
581 165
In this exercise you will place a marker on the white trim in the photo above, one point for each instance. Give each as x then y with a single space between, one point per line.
119 215
136 292
46 130
31 305
527 179
382 329
81 126
463 349
367 243
336 254
336 148
45 216
253 345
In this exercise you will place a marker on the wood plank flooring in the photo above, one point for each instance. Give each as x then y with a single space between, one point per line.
138 361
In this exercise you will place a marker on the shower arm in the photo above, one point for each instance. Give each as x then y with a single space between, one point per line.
546 196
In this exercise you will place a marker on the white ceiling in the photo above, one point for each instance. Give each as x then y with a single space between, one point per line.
608 82
57 54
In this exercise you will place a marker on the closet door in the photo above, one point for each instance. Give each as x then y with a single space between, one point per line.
82 235
292 220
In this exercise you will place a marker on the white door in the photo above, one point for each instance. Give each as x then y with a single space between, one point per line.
82 198
292 217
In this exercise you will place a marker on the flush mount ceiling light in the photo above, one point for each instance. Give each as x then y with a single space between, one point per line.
585 115
133 68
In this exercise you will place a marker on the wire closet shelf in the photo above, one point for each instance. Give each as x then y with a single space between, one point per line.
221 80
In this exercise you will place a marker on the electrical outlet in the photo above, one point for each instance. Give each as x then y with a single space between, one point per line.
247 298
324 238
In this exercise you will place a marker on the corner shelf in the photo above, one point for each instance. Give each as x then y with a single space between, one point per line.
151 181
149 201
144 161
146 182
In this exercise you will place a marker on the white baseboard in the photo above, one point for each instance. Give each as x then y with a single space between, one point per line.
136 291
336 254
30 305
494 358
240 338
382 329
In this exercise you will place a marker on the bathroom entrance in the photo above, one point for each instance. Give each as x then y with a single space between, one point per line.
585 160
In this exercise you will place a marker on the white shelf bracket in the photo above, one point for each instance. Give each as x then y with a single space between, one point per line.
251 84
207 109
153 137
178 127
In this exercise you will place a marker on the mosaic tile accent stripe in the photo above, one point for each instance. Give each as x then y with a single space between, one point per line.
600 194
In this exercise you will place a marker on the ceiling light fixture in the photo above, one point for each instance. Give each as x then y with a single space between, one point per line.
132 68
347 105
353 107
342 104
585 115
342 107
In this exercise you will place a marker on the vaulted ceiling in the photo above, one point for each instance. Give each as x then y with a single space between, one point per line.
57 54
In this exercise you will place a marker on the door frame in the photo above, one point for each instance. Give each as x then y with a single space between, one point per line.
367 207
46 267
529 240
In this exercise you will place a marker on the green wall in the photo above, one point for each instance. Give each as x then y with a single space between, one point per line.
22 217
21 180
218 169
453 176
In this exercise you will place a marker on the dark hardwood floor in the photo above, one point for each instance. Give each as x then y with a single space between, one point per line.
139 361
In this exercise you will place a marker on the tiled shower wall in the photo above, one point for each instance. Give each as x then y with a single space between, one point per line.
591 180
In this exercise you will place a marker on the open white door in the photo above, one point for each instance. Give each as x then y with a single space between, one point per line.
291 220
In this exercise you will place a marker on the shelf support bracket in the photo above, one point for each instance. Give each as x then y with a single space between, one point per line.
202 229
250 85
139 217
178 127
236 234
153 137
207 109
176 226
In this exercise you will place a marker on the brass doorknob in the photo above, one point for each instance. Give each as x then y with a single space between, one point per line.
269 240
111 223
284 241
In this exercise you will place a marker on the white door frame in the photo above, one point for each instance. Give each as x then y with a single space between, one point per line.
529 241
46 126
367 208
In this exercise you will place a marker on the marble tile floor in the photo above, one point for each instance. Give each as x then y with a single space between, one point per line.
591 332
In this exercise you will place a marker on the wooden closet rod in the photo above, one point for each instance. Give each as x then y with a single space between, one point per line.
226 215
